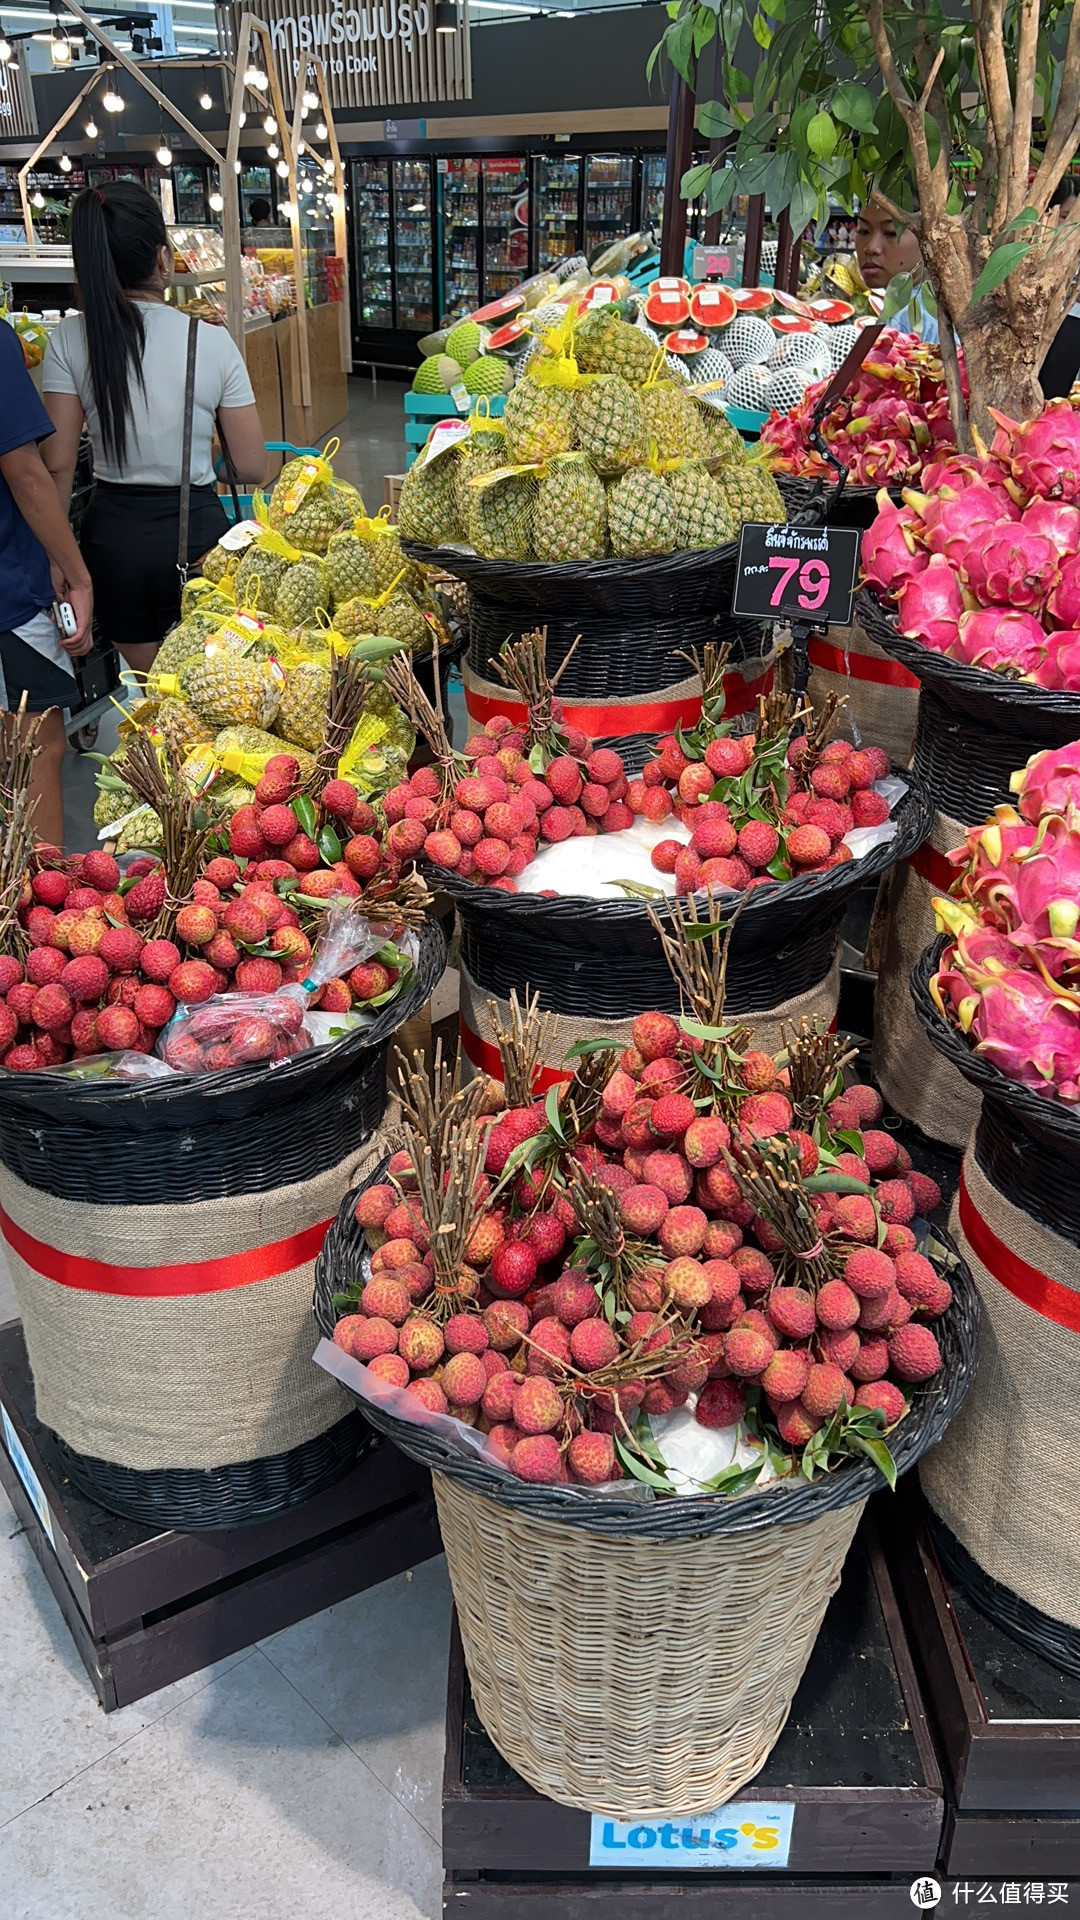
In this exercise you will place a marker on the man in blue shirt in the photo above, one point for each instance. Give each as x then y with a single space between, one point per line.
39 563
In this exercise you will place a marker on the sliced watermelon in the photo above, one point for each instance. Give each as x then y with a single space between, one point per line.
687 342
498 309
712 306
603 293
752 299
507 336
832 312
667 306
785 323
667 281
791 303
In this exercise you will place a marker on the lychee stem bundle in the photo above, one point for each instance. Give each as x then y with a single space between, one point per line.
710 663
19 748
446 1145
347 696
522 667
770 1181
815 1060
161 785
696 950
619 1258
523 1041
428 720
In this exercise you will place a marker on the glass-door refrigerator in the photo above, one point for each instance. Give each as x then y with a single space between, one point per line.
256 183
505 225
556 213
609 198
653 174
191 202
459 188
371 243
414 265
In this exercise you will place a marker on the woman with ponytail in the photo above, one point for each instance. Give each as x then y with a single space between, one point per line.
120 366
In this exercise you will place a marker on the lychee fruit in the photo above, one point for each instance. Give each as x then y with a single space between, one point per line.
429 1393
805 846
506 1321
464 1380
146 898
670 1173
786 1374
721 1403
883 1395
574 1300
826 1389
643 1209
791 1310
52 1007
591 1459
856 1218
549 1347
869 809
193 981
46 964
687 1283
869 1273
683 1230
747 1351
705 1139
837 1306
917 1280
796 1424
513 1269
154 1005
871 1362
420 1342
385 1298
764 1114
593 1345
538 1406
656 1036
159 958
538 1460
896 1202
465 1333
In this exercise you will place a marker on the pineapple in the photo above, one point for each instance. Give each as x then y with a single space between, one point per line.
751 493
113 801
357 617
480 453
500 519
183 641
217 563
605 343
673 423
725 442
641 514
141 833
538 421
325 509
610 423
402 619
702 514
258 577
349 568
182 726
228 690
246 739
202 594
570 512
301 716
386 560
302 594
427 503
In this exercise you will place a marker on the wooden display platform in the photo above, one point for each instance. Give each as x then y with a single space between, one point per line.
1008 1723
146 1608
856 1762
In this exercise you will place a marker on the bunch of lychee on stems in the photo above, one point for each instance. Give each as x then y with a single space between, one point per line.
485 813
770 804
688 1222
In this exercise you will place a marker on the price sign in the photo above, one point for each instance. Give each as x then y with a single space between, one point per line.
792 573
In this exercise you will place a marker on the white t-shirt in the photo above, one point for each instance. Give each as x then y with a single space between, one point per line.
155 435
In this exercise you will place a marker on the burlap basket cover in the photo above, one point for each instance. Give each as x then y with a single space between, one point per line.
636 1677
882 696
480 1053
655 712
915 1079
1005 1477
177 1336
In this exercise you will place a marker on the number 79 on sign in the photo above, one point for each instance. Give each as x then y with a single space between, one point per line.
812 588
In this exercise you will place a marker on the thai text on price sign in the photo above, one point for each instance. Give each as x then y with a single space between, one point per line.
796 573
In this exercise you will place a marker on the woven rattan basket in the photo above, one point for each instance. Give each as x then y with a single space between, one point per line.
851 506
181 1395
638 1657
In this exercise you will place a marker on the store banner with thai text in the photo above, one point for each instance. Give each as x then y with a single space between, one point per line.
377 55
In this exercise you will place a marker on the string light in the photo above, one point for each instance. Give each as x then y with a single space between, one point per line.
320 131
205 101
37 199
7 51
90 130
217 202
310 101
269 124
112 101
273 150
282 169
163 156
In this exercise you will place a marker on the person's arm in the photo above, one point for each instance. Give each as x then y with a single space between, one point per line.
243 433
34 493
61 450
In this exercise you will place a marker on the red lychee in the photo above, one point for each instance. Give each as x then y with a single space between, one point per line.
791 1310
826 1389
805 846
786 1374
896 1203
538 1460
463 1380
837 1306
656 1036
420 1342
593 1345
193 981
591 1459
764 1114
886 1397
429 1393
705 1140
51 1007
669 1172
871 1362
538 1406
856 1218
154 1005
117 1028
747 1351
683 1231
513 1269
796 1423
869 809
721 1403
643 1209
386 1299
869 1273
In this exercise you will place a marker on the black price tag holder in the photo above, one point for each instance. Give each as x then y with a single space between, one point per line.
804 575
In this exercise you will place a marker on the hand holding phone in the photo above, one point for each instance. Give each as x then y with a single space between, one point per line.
65 618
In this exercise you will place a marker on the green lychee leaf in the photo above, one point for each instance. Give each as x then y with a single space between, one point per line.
551 1111
581 1048
878 1452
734 1479
852 1142
639 889
609 1309
538 758
304 809
705 929
830 1182
779 868
697 1032
329 845
686 744
637 1467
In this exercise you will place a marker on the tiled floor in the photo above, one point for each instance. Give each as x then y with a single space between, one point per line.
296 1781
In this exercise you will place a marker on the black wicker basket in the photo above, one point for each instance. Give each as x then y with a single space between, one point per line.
231 1496
772 916
1051 1639
853 507
616 657
206 1137
668 587
1031 717
1052 1128
340 1265
966 768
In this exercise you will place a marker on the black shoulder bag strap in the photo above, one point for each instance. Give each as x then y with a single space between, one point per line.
185 458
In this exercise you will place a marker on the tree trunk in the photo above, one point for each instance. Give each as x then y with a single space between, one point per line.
1002 357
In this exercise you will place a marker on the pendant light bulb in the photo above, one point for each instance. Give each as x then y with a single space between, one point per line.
163 156
65 163
90 130
205 101
320 131
282 169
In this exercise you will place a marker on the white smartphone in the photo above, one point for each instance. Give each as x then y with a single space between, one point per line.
64 616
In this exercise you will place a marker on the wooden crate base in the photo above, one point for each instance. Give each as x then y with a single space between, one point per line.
1008 1723
855 1761
146 1608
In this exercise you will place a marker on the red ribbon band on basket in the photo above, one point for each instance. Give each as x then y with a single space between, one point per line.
164 1283
655 716
859 666
932 866
489 1060
1048 1297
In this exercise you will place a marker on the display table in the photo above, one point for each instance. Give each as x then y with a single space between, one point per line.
146 1608
1008 1724
855 1764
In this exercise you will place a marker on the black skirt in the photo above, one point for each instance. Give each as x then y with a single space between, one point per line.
129 539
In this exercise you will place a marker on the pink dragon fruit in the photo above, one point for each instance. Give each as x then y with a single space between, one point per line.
950 521
1044 453
975 951
889 553
1063 606
1050 783
1060 671
930 604
988 857
1001 639
1008 567
1031 1031
1043 899
1057 522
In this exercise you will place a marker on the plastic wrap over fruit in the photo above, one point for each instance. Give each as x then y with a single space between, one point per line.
235 1030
